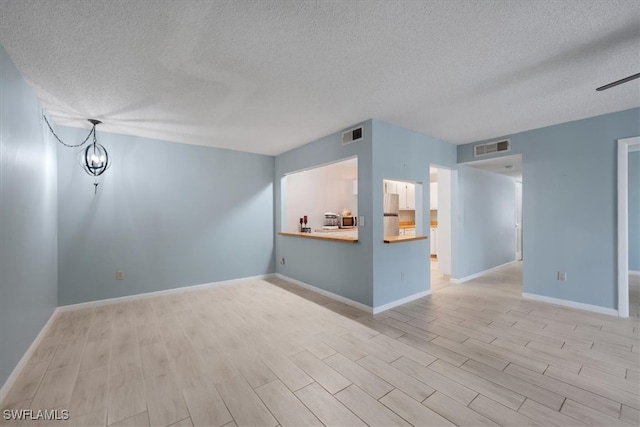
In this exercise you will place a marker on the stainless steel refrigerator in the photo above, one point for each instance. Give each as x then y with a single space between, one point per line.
391 208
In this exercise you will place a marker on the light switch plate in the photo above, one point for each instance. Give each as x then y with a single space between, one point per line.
361 221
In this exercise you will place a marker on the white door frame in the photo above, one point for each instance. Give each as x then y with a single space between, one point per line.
625 146
518 187
449 250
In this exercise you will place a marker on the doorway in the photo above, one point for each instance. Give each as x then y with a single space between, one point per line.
441 183
625 147
493 216
518 183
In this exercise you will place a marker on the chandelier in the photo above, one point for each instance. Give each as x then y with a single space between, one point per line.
94 159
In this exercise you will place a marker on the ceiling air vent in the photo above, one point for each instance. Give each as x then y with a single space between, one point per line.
491 148
352 135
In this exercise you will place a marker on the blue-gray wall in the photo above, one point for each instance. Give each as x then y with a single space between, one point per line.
569 205
486 223
368 272
342 268
634 211
402 154
28 251
167 214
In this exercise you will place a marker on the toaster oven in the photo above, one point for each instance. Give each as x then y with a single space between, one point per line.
348 222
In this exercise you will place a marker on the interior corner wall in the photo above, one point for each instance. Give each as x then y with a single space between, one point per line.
569 205
28 251
634 210
166 214
344 269
446 179
402 270
486 235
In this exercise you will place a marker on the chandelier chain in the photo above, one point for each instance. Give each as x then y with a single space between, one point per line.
92 131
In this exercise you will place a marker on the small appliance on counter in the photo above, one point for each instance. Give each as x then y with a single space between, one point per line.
331 221
346 220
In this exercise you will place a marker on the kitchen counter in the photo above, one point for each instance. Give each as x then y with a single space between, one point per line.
407 226
399 239
334 235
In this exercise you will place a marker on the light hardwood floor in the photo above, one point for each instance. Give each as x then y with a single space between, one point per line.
267 353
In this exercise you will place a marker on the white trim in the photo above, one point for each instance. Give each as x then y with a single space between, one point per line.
624 147
571 304
159 293
482 273
327 294
384 307
352 303
17 370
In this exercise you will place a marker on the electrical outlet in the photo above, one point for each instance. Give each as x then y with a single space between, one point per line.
402 276
361 222
119 275
562 276
282 260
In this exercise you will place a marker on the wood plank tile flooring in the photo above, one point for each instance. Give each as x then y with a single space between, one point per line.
267 353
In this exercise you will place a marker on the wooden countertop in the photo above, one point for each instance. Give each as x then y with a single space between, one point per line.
407 226
337 230
399 239
321 236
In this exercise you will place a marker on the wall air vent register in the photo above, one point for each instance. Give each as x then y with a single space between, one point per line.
491 148
352 135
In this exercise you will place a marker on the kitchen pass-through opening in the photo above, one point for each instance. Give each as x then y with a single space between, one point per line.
322 199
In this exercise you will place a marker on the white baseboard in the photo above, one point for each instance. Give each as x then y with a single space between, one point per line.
571 304
384 307
352 303
191 288
482 273
634 273
327 294
17 370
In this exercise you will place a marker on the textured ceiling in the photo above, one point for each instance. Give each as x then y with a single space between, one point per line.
268 76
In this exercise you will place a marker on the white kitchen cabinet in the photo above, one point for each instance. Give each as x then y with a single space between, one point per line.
402 193
409 231
391 187
407 195
433 197
411 196
434 241
402 233
406 192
